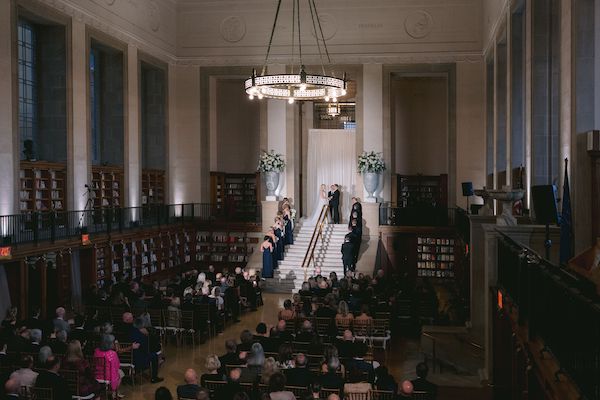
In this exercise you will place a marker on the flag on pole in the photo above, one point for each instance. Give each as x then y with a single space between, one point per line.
566 221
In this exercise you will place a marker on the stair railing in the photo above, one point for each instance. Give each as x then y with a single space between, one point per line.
312 245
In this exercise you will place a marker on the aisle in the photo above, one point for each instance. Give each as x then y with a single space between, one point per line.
181 358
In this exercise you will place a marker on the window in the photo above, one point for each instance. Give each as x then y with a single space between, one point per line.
26 43
95 105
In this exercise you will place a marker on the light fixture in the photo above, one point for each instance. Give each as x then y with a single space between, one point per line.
333 109
298 85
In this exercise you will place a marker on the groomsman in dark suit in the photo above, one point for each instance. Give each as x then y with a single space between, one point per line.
334 203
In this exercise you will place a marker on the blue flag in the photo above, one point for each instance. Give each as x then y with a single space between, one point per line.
566 222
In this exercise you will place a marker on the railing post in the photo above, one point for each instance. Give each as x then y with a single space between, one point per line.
108 220
121 216
193 207
182 213
34 222
52 226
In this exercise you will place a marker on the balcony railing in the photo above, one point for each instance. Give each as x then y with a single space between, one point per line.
416 216
58 225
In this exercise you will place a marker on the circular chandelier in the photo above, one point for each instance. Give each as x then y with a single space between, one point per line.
297 85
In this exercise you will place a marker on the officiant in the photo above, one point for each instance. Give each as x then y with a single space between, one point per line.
334 203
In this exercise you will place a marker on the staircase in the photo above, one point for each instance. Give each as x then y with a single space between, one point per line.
289 276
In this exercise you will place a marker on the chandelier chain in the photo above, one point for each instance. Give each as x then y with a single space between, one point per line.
299 35
321 29
316 35
271 38
293 31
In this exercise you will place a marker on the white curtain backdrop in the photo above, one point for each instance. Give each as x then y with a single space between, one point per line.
331 159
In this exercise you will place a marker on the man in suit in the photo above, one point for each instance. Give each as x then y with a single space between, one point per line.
358 361
300 375
227 391
11 389
422 384
189 390
59 322
348 253
269 344
232 356
36 340
330 379
334 203
50 379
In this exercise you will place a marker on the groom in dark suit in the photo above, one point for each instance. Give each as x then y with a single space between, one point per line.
334 203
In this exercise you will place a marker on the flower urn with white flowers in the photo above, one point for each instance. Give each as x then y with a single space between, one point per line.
271 164
371 165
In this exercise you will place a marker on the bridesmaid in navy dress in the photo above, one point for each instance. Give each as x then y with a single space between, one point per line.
273 241
267 249
289 225
278 229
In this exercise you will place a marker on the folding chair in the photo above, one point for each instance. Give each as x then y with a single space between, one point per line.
158 321
173 324
213 386
300 347
204 317
324 393
381 332
382 395
298 391
188 329
101 370
72 378
356 396
343 324
323 326
41 394
125 351
418 395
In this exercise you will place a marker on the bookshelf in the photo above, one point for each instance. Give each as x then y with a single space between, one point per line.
107 187
101 262
153 186
435 256
42 186
422 191
223 249
236 195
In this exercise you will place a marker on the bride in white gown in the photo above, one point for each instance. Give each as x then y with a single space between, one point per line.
320 202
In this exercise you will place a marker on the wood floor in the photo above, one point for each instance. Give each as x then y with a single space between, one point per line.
400 358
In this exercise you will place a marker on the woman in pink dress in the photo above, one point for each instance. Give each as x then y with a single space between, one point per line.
109 370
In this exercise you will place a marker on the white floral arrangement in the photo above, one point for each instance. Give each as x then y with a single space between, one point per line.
369 161
271 162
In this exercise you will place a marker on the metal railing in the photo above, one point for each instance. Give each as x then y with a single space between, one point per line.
317 233
59 225
416 216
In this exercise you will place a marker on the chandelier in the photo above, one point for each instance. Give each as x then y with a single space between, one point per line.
297 85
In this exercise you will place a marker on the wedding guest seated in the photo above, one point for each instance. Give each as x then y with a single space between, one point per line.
406 390
280 333
190 388
231 388
59 343
59 322
363 317
34 321
143 358
287 312
49 378
36 338
162 393
385 381
330 379
246 340
300 375
421 383
74 360
327 309
12 390
345 346
344 315
356 383
25 375
254 364
231 357
358 361
213 366
285 359
268 370
306 332
44 355
277 388
110 369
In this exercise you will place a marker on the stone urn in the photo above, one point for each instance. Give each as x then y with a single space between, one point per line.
508 197
371 182
272 182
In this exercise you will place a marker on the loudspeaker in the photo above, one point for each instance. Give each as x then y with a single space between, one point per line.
467 188
544 204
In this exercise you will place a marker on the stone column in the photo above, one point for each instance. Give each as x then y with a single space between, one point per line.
277 137
269 211
9 129
132 133
184 141
78 142
372 126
